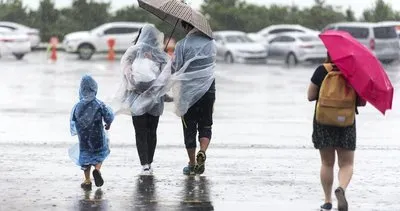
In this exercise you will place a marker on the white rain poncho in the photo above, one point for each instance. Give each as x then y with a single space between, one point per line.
193 70
143 81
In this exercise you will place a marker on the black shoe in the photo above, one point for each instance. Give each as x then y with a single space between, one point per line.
341 198
201 162
98 180
86 185
326 207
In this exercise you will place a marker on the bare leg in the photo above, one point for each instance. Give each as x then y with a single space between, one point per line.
346 162
98 166
192 156
326 174
87 174
204 142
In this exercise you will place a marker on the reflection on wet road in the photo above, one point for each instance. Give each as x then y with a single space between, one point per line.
261 156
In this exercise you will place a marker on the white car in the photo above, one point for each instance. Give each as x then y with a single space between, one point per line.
381 39
236 46
268 33
86 43
13 43
33 34
296 47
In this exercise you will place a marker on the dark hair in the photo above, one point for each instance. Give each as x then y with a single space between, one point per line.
328 58
186 25
137 37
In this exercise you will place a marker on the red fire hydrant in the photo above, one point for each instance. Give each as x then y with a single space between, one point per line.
111 51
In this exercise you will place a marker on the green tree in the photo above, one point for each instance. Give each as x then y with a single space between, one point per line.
13 10
46 19
380 12
89 14
350 15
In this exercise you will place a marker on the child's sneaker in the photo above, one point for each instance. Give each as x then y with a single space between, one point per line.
86 185
98 179
326 207
189 170
201 165
341 198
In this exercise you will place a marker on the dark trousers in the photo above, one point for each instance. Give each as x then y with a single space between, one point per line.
146 136
199 118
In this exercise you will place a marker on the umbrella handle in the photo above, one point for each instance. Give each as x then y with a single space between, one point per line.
170 36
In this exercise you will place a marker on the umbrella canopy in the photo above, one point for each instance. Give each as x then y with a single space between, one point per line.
360 67
172 11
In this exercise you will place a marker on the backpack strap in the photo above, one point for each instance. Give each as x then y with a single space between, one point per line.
328 67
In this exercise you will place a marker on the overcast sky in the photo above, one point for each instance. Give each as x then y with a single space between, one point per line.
357 5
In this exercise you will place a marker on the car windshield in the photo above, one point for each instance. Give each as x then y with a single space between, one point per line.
308 38
238 39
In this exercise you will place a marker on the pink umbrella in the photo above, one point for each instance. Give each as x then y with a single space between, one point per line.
360 67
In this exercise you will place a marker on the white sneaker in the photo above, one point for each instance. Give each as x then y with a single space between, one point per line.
146 170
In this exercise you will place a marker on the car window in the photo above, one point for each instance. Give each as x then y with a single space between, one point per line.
308 38
287 39
276 31
275 40
356 32
8 27
121 30
238 39
131 30
385 32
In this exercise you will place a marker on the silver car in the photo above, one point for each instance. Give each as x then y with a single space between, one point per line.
294 48
33 34
236 46
380 39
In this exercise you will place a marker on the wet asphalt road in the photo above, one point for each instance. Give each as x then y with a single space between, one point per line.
261 156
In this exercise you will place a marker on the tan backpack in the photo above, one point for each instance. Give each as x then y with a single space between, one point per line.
336 104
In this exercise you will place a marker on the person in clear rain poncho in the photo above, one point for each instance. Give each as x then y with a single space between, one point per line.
193 86
141 94
86 121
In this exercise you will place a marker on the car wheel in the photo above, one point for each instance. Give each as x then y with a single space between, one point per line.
85 51
229 58
291 59
19 56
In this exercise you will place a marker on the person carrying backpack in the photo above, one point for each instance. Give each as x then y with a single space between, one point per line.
334 128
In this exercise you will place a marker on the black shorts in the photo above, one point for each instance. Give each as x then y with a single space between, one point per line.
199 118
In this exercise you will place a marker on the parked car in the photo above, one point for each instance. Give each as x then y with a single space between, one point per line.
296 47
381 39
395 24
87 43
268 33
236 46
14 43
33 34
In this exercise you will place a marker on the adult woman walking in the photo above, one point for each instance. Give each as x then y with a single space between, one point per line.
139 95
335 138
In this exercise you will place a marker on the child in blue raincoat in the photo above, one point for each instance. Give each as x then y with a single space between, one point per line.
87 118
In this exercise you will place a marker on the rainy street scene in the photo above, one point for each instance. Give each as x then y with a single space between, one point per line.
171 105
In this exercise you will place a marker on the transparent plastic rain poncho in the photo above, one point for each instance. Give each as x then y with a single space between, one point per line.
193 70
143 79
86 121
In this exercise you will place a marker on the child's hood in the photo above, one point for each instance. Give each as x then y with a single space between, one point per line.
87 89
